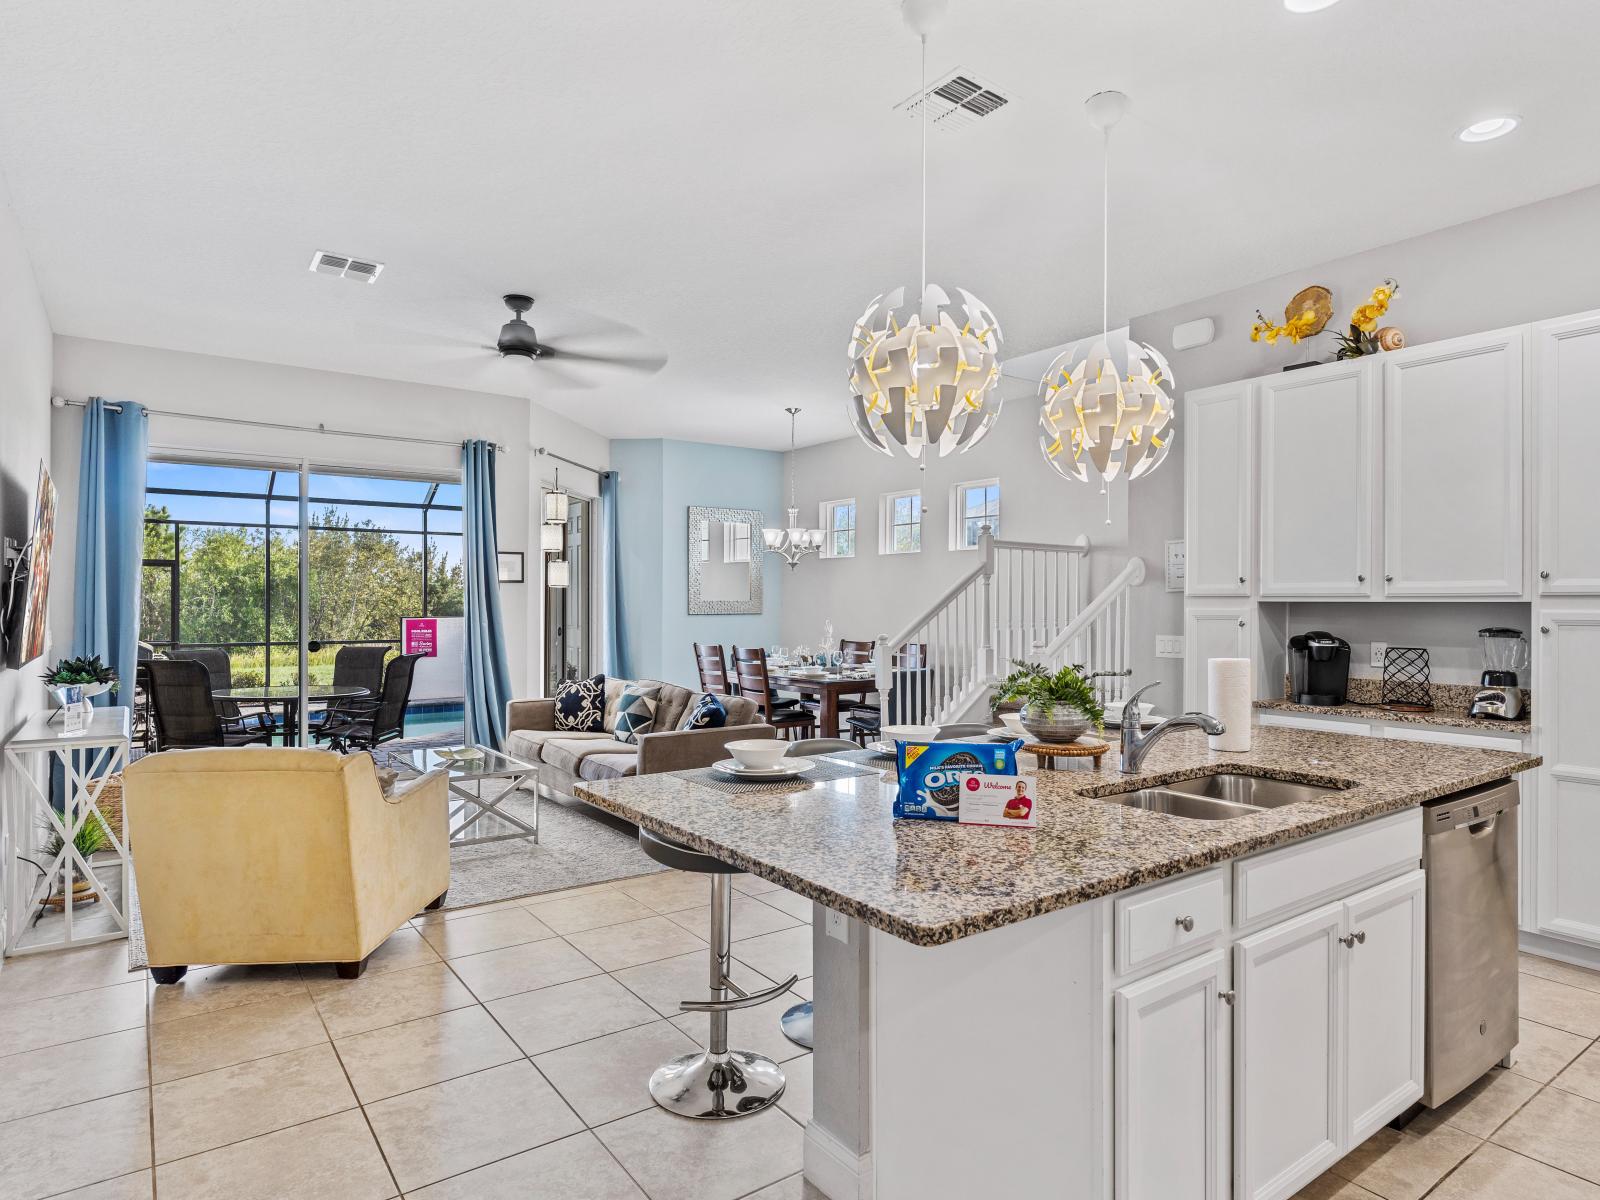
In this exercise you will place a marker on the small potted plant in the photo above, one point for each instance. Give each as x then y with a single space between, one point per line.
90 674
91 838
1056 708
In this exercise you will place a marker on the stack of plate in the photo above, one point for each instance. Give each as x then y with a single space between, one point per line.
786 768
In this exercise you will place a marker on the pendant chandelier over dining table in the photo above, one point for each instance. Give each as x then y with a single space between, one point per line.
924 373
790 542
1104 412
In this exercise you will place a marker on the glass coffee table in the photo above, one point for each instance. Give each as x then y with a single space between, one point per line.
474 817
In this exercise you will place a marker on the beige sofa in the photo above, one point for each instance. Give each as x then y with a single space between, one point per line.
565 757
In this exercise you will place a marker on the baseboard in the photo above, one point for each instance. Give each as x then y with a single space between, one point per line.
1560 949
836 1172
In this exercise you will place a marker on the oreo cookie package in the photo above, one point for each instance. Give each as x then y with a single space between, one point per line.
932 774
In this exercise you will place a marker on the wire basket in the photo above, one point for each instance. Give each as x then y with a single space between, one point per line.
1405 678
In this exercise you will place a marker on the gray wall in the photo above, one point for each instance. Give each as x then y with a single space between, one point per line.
24 442
1523 265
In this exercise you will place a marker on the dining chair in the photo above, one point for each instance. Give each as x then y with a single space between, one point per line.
865 721
713 667
750 665
856 654
356 667
219 666
186 717
365 724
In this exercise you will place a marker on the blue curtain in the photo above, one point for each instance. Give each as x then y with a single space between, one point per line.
488 679
610 581
111 472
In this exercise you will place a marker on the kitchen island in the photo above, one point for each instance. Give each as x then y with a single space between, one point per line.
965 1029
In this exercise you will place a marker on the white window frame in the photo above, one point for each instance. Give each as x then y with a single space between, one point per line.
825 520
886 521
958 509
735 545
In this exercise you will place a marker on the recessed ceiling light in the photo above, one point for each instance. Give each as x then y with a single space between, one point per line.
1488 129
1308 6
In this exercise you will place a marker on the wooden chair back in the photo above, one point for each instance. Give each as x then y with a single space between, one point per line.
713 666
856 653
913 656
750 671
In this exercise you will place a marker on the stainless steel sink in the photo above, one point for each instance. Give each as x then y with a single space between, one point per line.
1251 790
1181 804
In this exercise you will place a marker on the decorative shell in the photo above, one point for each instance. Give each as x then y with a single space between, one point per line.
1391 338
1315 299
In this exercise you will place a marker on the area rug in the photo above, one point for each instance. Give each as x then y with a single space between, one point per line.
577 844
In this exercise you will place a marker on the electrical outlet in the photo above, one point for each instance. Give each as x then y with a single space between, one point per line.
1169 645
1379 649
836 925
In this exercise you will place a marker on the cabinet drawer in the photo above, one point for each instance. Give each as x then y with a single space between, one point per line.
1169 920
1280 882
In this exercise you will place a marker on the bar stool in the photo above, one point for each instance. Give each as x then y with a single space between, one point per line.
715 1084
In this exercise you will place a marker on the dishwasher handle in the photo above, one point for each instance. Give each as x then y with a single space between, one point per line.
1485 827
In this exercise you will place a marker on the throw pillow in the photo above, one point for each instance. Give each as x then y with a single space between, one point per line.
581 705
636 711
708 713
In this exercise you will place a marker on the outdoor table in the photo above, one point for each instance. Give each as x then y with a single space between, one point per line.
288 695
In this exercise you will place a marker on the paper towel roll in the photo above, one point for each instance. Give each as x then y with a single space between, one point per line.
1228 697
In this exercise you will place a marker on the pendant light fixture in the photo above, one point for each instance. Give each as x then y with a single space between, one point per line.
551 538
1104 412
557 573
555 503
925 373
792 543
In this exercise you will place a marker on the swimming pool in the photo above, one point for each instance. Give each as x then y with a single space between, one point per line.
434 720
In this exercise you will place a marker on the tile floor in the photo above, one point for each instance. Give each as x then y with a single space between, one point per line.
502 1051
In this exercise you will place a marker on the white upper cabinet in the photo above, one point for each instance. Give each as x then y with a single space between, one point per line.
1453 418
1213 631
1318 465
1566 388
1218 479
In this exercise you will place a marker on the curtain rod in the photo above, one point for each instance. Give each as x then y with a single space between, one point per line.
571 462
63 402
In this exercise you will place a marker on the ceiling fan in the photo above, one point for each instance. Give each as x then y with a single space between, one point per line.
518 339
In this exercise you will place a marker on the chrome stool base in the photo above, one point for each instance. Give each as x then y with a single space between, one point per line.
797 1024
711 1087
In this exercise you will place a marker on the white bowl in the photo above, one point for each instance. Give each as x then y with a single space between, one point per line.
911 733
1013 722
758 752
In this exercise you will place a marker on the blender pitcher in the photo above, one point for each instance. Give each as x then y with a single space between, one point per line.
1505 653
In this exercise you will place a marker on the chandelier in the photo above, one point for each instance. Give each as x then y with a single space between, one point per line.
924 373
1104 410
792 543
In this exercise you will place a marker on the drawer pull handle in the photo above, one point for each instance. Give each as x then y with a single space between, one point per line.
1359 937
1186 924
1227 997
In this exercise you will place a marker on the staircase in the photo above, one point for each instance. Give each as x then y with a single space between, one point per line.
1024 600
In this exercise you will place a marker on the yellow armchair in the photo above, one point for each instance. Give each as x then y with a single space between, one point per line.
258 855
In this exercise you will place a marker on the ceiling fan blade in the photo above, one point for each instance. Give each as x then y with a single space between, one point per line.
646 363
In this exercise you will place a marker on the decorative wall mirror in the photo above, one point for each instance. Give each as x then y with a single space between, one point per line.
725 561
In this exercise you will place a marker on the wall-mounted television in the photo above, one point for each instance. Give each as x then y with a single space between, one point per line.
28 580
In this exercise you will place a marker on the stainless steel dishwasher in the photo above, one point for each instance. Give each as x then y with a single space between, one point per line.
1469 850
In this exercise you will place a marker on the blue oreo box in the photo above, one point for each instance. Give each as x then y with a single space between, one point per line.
931 774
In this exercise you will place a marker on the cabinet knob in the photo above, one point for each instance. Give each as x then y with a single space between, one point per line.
1241 622
1186 924
1227 997
1542 575
1358 938
1241 579
1544 629
1361 578
1388 578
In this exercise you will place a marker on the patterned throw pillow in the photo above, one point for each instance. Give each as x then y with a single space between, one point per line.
636 711
581 705
708 713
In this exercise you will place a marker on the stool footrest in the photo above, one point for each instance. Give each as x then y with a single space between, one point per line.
749 1000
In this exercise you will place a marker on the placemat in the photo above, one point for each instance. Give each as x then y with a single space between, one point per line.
821 771
869 758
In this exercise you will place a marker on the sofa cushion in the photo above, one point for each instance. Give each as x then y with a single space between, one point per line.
707 713
741 710
674 702
580 705
608 766
566 755
636 711
528 744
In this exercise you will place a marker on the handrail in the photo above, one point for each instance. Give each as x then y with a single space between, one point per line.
1080 546
1130 576
962 585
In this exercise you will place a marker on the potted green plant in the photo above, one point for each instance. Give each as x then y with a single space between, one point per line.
92 675
1000 701
91 838
1056 708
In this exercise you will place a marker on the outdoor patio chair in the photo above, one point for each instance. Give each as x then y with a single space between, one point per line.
361 725
353 666
219 666
185 715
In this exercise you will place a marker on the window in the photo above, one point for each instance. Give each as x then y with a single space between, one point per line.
735 542
974 505
900 523
838 529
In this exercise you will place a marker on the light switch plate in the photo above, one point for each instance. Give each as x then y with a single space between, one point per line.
836 926
1169 645
1379 649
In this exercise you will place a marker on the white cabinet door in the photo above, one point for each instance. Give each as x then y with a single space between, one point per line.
1319 461
1566 713
1384 979
1217 482
1566 388
1212 631
1288 1050
1453 417
1171 1124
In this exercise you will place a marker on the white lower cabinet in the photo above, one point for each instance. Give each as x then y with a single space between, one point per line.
1567 803
1384 982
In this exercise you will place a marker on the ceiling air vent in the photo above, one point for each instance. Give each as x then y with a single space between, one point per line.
956 101
343 265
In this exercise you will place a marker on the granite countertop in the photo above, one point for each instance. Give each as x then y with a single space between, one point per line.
930 882
1450 718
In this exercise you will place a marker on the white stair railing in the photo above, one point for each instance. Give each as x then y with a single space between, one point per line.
1100 637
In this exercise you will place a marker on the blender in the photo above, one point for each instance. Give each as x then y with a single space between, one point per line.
1505 652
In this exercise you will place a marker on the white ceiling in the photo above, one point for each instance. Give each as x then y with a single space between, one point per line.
727 178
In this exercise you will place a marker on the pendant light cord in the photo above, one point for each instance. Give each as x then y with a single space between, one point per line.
1105 233
922 108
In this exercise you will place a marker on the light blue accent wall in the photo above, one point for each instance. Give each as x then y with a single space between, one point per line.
659 479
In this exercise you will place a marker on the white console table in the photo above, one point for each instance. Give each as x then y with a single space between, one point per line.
87 759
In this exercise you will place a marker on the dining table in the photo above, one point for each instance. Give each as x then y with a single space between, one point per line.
288 695
827 686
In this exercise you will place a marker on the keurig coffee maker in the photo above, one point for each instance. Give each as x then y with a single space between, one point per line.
1319 668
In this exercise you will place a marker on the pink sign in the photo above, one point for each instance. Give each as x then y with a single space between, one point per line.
420 635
